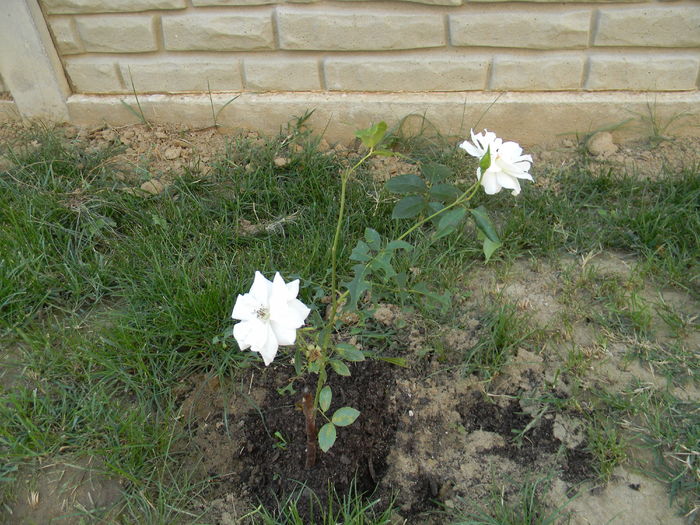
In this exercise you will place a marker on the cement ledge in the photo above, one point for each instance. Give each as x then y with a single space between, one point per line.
8 111
530 118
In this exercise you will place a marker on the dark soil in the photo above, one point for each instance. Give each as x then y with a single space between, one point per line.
273 470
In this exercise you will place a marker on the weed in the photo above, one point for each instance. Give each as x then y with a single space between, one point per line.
504 330
606 444
525 508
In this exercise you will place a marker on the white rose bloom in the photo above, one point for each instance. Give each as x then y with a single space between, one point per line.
270 315
508 164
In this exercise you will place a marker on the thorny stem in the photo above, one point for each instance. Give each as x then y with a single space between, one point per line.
334 249
309 403
309 409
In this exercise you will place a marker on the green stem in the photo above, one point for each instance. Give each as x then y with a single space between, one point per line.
334 249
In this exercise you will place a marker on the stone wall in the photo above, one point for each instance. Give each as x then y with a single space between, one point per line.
185 46
531 69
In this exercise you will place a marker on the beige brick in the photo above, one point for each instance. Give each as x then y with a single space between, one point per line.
564 1
282 74
537 73
426 2
217 32
2 86
420 73
64 35
656 25
177 75
642 72
345 30
208 3
521 28
117 33
93 77
65 7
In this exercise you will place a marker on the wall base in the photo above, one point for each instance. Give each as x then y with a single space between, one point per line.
529 118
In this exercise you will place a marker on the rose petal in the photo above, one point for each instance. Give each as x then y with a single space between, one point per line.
268 350
490 182
285 335
245 307
261 288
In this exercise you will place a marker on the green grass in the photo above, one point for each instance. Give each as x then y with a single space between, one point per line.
109 299
526 507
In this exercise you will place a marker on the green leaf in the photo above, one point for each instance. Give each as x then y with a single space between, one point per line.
326 436
383 153
490 247
345 416
446 193
372 136
325 397
409 183
383 262
340 368
408 207
399 245
435 172
485 162
358 285
374 240
349 352
360 252
398 361
483 222
449 222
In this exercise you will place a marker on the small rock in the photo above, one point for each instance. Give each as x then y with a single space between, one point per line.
128 134
172 153
323 145
297 148
109 135
161 135
601 144
70 132
153 186
281 162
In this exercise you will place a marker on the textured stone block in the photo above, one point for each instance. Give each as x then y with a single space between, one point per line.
2 86
642 72
117 33
93 77
217 32
343 30
654 26
64 7
426 2
522 28
420 73
208 3
537 73
65 37
282 74
182 74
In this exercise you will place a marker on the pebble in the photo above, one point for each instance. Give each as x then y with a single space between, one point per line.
281 162
601 144
172 153
153 186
